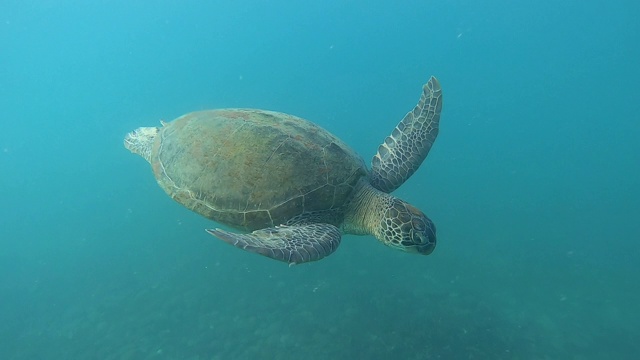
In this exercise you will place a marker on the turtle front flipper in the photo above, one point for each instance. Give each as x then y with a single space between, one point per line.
402 152
291 244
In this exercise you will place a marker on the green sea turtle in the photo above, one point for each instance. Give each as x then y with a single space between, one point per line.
292 187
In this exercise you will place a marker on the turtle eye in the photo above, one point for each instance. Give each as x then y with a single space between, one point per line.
418 224
419 238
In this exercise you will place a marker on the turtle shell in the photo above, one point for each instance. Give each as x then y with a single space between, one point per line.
252 169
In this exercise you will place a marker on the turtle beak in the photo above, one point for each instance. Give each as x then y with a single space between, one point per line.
424 238
427 248
429 245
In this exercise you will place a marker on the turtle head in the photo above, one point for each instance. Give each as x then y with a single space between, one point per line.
140 141
405 227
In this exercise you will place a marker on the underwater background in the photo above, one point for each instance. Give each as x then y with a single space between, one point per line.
533 182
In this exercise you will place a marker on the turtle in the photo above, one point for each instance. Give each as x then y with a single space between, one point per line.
285 187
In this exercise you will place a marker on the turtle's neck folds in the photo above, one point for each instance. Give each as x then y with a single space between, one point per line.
140 141
366 210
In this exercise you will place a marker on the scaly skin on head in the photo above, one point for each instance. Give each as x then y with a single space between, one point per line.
391 220
140 141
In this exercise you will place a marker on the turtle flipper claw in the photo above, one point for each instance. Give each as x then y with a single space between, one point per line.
291 244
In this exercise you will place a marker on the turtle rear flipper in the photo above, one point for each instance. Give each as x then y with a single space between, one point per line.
291 244
402 152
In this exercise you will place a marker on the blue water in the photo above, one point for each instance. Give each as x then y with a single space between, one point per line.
534 181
